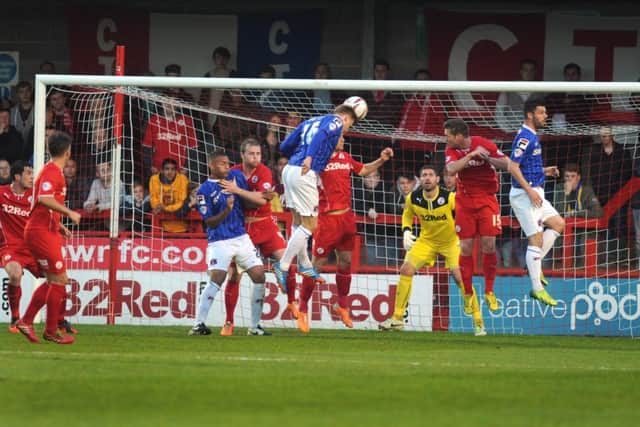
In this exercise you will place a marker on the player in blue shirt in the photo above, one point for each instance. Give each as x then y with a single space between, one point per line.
222 213
309 148
527 196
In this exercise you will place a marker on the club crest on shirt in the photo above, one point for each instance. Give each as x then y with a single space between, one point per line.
46 186
266 186
440 200
254 179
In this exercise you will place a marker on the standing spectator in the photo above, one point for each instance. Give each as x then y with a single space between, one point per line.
210 97
272 136
278 201
405 184
383 106
568 108
448 180
609 167
510 104
11 147
62 115
99 198
175 70
168 136
22 113
5 172
168 193
77 187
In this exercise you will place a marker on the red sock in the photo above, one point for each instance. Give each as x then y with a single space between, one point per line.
489 262
38 300
466 270
63 307
291 284
343 281
305 293
55 298
15 292
231 294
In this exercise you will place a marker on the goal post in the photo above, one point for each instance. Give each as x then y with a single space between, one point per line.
156 272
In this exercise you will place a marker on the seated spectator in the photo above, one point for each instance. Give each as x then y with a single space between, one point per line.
5 172
509 107
168 193
568 108
77 187
576 198
22 114
175 70
383 106
405 184
62 115
11 147
134 208
371 199
99 198
169 135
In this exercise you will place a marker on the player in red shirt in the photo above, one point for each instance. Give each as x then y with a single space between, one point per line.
477 208
336 229
169 136
43 235
261 227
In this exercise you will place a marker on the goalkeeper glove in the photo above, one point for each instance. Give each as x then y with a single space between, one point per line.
408 240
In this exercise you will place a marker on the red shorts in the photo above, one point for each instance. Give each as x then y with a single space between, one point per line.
22 256
46 248
266 236
334 232
477 216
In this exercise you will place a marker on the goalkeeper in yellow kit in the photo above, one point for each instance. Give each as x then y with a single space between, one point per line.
435 207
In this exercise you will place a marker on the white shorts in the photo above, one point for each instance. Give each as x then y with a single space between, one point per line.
530 218
240 249
301 191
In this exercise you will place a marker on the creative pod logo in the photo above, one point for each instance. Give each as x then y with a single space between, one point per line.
601 306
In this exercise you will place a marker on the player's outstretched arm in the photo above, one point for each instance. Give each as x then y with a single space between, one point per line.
457 165
51 203
371 167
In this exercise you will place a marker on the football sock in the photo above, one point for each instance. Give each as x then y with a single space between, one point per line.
63 306
257 301
297 243
38 300
55 298
291 284
548 239
489 262
343 281
303 255
305 293
534 265
206 299
403 292
466 270
15 292
231 293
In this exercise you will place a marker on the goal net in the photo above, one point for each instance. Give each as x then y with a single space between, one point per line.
156 255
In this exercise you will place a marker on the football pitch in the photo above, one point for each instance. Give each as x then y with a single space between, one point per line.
158 376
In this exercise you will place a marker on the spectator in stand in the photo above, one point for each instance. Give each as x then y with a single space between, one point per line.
371 200
99 198
77 188
169 135
405 184
212 98
278 201
421 113
270 100
134 208
273 135
568 108
62 115
175 70
448 180
229 130
5 172
608 168
635 206
168 192
22 113
292 120
47 67
509 107
11 147
322 101
383 106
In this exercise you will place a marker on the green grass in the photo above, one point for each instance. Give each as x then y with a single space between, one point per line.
159 376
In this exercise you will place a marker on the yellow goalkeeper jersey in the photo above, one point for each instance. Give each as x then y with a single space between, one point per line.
437 216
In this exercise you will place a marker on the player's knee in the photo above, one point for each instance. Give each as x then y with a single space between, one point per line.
407 270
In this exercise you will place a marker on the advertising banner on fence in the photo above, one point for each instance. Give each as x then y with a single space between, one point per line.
586 306
170 298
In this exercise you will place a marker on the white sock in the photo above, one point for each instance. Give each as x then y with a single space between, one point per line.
296 244
257 301
206 299
534 264
548 238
